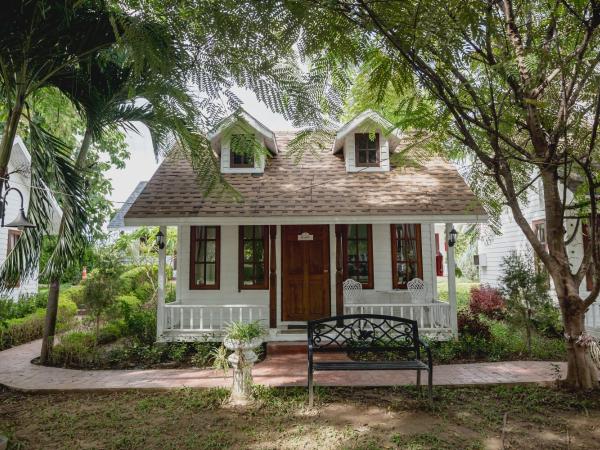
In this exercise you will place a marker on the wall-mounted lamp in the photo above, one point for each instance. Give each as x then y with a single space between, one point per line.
21 220
160 240
452 237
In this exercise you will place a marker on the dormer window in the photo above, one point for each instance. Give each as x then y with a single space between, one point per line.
367 149
241 151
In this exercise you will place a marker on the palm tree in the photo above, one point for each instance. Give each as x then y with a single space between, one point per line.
109 94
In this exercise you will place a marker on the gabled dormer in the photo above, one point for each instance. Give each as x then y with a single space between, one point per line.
243 144
366 142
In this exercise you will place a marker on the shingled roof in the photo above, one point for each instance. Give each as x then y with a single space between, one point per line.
318 186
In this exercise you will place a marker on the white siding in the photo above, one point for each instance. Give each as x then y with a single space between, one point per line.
229 293
21 181
496 248
350 154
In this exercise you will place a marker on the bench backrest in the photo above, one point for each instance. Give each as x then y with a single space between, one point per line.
371 332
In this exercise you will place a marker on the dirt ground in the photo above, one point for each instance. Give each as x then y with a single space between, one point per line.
344 418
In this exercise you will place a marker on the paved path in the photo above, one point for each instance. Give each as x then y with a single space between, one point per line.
280 368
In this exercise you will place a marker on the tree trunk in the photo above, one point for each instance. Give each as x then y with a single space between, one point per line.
50 323
8 139
581 372
52 307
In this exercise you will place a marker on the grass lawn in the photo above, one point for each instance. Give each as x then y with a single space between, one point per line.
463 288
344 418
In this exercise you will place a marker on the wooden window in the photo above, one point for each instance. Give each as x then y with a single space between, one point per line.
366 150
205 261
357 242
241 151
253 257
13 237
407 261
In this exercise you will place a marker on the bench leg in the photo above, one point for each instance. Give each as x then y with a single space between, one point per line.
430 386
419 381
310 389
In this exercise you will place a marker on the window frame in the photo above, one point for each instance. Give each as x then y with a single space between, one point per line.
419 251
193 238
12 237
232 155
370 284
265 239
357 150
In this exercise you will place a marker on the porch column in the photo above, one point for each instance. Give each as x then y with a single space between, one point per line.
272 277
451 284
339 293
162 282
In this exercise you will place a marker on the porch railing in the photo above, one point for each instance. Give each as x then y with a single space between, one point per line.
429 316
592 317
209 318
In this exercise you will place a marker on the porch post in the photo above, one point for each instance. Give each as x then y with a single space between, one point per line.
162 282
339 293
272 278
452 284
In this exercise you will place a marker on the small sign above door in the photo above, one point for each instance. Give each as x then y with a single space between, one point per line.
306 237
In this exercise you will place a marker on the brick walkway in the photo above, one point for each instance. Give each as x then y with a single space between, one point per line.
285 366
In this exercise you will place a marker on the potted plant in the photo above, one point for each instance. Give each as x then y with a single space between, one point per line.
242 338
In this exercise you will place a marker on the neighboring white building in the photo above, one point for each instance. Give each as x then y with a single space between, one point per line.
493 249
281 254
19 177
117 225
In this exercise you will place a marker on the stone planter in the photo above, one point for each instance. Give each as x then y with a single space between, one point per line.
242 359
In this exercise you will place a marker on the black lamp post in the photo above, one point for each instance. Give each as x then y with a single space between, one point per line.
452 237
21 220
160 240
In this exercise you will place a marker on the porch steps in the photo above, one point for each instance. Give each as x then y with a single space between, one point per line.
286 348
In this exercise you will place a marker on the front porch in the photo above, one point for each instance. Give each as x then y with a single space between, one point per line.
281 306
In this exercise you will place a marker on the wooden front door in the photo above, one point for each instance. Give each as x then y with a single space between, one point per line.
305 272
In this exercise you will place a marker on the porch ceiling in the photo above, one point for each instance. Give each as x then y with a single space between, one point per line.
318 190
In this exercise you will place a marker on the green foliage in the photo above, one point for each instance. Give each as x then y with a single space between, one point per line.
205 353
102 287
76 294
75 349
11 309
20 330
526 292
219 356
244 331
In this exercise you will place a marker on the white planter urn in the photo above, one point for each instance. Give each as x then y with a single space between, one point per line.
242 359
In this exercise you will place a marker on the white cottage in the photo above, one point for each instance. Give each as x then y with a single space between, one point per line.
19 176
493 249
282 254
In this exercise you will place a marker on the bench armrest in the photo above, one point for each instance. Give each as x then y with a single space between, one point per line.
427 351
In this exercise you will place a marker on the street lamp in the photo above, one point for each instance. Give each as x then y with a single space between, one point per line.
21 220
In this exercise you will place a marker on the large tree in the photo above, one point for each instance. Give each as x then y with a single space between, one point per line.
516 84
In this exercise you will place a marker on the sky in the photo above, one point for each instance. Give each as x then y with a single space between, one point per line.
142 164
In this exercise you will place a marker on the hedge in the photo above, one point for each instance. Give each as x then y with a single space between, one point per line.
26 329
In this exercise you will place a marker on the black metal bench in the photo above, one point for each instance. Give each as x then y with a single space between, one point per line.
393 342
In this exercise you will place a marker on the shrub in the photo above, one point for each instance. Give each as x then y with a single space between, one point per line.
30 327
205 352
76 349
526 293
74 294
110 332
177 351
141 324
473 326
486 300
141 281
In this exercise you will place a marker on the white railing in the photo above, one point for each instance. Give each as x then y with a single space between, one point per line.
209 318
592 317
429 316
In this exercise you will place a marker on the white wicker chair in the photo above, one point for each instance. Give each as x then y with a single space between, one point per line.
418 291
352 291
